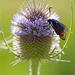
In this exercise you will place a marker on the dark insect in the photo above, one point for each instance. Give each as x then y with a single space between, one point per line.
59 28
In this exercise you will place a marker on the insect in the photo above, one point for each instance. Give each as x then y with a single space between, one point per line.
59 28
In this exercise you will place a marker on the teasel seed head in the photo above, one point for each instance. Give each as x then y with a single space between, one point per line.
33 35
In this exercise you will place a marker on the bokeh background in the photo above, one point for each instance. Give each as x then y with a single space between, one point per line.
63 8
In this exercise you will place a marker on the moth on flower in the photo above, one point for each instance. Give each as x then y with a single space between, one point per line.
33 36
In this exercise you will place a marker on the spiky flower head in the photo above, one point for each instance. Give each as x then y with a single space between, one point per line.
33 35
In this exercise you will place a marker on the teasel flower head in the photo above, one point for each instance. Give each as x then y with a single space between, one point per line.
34 38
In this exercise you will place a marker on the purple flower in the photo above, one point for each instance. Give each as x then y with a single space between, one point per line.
33 35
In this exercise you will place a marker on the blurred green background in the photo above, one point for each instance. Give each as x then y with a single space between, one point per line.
63 8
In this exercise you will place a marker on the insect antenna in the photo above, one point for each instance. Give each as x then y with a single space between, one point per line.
50 11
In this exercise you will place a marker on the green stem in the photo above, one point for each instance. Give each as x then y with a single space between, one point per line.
34 67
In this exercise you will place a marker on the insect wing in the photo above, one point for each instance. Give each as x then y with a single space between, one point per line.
62 25
63 35
66 29
59 28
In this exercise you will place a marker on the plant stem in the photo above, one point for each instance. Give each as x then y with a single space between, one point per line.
34 67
